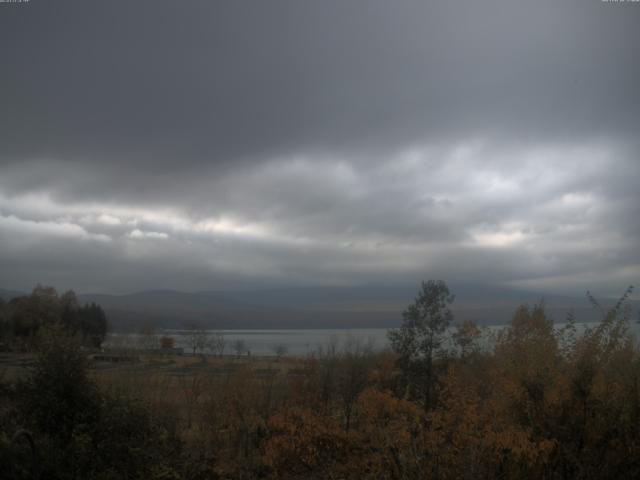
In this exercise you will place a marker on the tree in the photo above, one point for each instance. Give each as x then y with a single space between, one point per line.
80 431
303 444
352 375
217 343
30 313
147 337
419 339
70 316
197 339
59 395
466 336
93 324
280 350
388 437
27 314
239 346
4 320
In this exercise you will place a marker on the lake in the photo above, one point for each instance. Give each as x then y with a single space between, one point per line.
297 342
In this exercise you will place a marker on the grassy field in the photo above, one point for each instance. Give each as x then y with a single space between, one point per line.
192 387
143 369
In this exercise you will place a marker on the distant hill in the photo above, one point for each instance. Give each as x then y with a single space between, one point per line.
315 307
233 310
357 307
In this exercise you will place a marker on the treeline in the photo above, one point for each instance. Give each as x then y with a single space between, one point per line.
22 317
57 423
530 401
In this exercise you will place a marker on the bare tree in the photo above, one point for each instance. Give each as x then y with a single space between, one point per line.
327 375
148 338
197 339
239 346
217 343
352 374
280 350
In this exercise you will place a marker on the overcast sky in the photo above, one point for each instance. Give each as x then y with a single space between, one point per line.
202 145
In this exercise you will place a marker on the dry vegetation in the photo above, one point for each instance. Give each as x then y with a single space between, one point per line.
534 402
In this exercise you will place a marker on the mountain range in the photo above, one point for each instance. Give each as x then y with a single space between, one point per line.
318 307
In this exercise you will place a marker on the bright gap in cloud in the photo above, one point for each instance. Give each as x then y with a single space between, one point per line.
31 228
154 235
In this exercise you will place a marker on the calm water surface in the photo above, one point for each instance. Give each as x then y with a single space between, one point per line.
296 342
300 342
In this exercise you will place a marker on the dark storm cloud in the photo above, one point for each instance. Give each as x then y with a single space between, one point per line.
318 142
210 82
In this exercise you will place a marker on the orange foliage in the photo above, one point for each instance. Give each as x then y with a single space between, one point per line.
304 443
388 435
540 405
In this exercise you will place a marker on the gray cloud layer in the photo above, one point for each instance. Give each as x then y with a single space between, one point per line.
209 144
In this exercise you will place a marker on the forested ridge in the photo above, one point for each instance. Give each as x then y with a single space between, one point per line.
22 316
529 401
